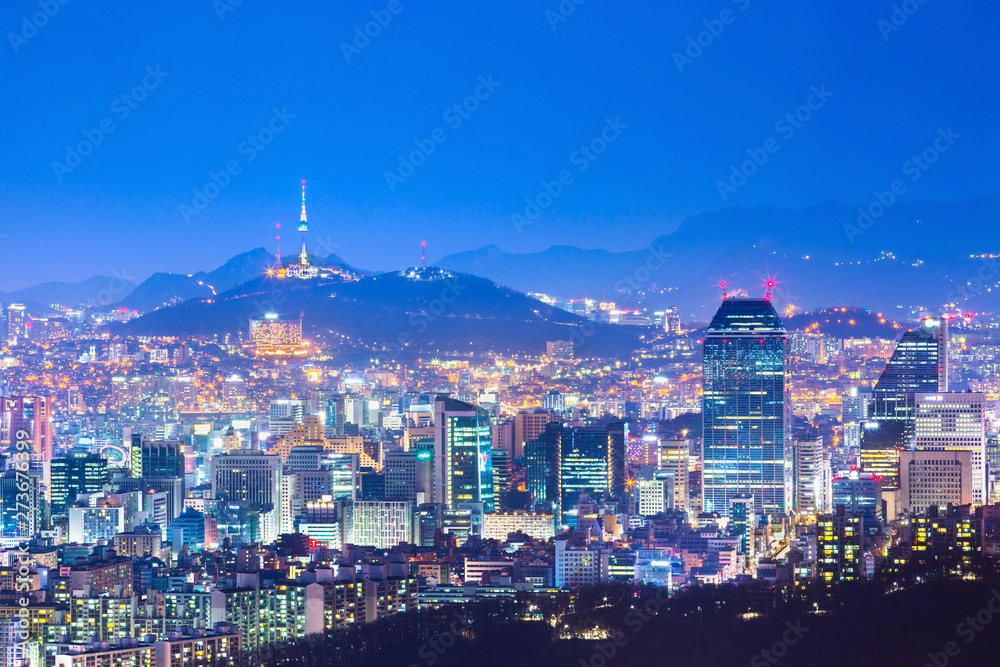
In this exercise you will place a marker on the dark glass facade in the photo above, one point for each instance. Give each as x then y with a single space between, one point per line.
744 407
585 466
918 365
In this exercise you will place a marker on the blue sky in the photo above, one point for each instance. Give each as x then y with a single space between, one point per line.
224 68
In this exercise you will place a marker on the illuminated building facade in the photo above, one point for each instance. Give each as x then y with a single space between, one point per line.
951 422
840 547
272 336
80 472
463 463
743 404
585 463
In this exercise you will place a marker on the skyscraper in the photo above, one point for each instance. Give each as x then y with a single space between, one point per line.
463 470
744 407
919 364
585 467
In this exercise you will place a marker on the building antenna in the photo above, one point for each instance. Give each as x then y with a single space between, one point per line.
725 291
277 240
770 289
423 254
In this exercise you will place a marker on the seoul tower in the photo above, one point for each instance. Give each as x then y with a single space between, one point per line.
303 228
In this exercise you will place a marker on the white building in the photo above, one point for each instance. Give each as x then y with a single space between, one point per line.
652 496
811 475
580 566
499 526
379 523
87 525
955 422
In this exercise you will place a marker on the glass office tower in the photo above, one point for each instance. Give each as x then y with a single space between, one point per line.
743 407
463 465
919 364
585 467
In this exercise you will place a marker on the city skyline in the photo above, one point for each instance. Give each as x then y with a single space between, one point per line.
558 333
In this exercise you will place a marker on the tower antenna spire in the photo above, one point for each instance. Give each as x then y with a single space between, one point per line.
725 290
303 227
423 254
277 240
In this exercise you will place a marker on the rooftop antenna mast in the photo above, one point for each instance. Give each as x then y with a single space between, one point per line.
277 240
423 254
725 291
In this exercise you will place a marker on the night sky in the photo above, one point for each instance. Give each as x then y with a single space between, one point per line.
211 75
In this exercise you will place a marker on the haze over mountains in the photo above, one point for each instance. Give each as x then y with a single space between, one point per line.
821 256
826 255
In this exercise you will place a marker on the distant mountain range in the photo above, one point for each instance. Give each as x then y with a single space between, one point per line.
160 289
917 254
395 316
827 255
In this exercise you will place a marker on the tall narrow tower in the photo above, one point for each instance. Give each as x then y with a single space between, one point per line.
303 228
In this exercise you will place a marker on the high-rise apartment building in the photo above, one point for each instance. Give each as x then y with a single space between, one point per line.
675 461
744 407
234 394
811 474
